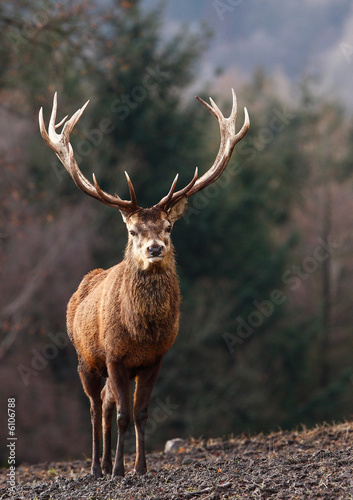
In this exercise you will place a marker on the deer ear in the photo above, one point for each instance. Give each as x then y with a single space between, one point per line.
124 215
178 210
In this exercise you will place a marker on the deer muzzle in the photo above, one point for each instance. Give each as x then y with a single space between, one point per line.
155 251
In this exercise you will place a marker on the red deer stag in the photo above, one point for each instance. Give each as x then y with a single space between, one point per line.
123 320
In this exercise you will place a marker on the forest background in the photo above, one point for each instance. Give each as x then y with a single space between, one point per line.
265 257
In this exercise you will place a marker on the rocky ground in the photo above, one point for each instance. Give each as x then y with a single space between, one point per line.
302 464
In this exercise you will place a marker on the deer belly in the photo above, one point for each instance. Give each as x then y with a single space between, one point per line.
145 353
139 350
87 339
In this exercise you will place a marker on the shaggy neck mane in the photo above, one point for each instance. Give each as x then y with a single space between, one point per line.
149 293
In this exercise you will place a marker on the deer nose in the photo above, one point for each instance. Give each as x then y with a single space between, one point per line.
155 251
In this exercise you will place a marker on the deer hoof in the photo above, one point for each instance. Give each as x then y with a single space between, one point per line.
107 467
140 470
96 471
118 472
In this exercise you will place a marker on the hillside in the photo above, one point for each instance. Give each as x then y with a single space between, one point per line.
299 464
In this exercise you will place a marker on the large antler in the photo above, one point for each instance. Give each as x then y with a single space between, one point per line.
228 140
60 144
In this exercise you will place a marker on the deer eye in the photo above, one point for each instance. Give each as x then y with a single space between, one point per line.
168 229
133 233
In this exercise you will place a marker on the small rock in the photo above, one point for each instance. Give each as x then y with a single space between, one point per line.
173 445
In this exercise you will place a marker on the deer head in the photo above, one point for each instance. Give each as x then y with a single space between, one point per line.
149 232
149 228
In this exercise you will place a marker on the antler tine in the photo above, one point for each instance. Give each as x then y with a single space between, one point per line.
245 126
60 144
172 197
42 128
51 128
100 191
106 198
234 111
69 125
210 109
166 200
218 112
58 125
131 190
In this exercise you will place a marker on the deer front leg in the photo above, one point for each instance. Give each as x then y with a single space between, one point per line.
120 385
108 410
92 386
145 381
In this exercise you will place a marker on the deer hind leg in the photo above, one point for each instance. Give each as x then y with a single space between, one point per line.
119 382
145 381
91 383
108 410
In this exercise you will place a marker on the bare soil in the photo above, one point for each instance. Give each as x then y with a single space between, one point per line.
300 464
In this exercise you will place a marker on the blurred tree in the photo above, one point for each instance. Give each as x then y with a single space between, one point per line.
321 264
